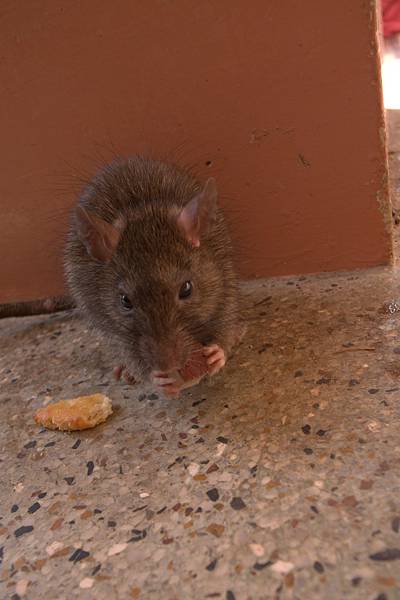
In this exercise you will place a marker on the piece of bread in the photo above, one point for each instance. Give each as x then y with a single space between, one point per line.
79 413
193 372
195 368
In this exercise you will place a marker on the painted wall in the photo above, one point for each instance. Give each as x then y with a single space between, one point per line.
279 100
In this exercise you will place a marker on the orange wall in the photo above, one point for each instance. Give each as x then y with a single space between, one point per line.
282 97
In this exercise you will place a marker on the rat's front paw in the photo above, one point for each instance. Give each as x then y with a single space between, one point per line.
121 371
216 358
166 383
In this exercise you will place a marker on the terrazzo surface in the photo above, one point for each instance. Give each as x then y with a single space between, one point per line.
279 479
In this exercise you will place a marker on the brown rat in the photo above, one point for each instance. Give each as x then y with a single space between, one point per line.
149 263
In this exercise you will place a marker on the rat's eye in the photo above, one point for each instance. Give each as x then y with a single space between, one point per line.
125 302
186 290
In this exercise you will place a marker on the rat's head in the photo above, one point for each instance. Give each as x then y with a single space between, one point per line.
162 282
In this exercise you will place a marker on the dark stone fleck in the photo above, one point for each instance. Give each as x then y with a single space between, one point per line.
141 397
97 511
78 555
32 509
353 382
69 480
253 470
14 508
139 508
381 596
299 373
373 391
260 566
76 445
200 440
321 432
323 380
90 467
306 429
96 569
159 512
213 494
42 494
388 554
15 597
153 396
230 595
111 524
22 530
31 444
1 554
396 350
222 439
49 444
396 524
319 567
314 509
211 566
138 535
308 451
237 503
355 582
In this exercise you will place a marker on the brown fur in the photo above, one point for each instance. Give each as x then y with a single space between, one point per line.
143 198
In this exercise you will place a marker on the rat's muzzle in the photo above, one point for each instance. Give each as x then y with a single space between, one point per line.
165 356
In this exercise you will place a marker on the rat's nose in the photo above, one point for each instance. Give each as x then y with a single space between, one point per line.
163 356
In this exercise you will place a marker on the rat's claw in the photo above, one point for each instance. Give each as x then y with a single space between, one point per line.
216 358
129 378
160 381
166 384
120 371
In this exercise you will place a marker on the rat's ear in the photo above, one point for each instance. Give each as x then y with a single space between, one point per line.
99 237
198 215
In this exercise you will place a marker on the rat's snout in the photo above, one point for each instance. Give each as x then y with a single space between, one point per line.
165 355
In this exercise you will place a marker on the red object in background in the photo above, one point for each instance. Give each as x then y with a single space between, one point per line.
390 17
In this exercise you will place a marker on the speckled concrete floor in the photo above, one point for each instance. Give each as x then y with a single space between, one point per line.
280 480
